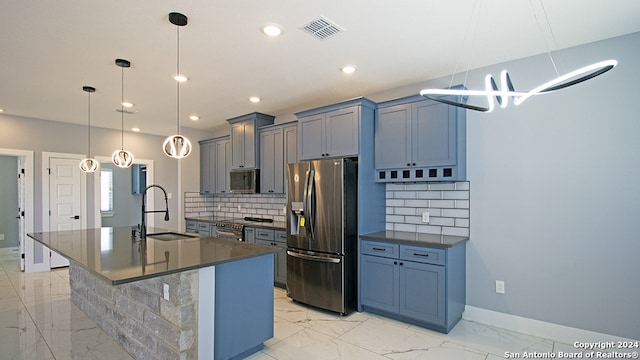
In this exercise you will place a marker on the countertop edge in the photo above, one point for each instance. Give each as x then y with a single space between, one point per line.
404 238
186 268
266 250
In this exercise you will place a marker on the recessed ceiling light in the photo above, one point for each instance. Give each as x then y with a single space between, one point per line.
271 29
180 78
194 117
1 110
255 99
127 104
135 129
348 69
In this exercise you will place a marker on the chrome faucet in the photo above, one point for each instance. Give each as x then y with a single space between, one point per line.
143 228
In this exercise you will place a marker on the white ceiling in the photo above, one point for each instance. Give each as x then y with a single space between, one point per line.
50 49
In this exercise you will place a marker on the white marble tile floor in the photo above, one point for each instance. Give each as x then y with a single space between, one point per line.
38 321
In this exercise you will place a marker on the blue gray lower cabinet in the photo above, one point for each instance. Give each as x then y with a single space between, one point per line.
201 227
420 285
243 307
276 238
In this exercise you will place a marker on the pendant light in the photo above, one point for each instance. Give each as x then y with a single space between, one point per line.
122 158
506 90
177 146
89 164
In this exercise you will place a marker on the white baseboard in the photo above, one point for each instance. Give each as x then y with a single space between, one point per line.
546 330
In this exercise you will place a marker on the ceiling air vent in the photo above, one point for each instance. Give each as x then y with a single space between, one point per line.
322 28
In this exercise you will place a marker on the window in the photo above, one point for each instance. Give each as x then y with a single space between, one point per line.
106 192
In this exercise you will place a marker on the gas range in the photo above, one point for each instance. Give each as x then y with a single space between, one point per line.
234 228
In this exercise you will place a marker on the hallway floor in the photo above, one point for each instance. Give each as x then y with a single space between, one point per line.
38 321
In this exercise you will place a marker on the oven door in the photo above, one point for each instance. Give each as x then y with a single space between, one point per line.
229 235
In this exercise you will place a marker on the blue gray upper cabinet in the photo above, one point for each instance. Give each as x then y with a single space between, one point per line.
245 143
278 147
215 164
419 140
333 130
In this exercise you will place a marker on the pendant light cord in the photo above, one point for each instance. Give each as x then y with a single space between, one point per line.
122 108
178 82
89 131
553 37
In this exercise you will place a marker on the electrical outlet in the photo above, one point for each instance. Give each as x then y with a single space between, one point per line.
425 217
239 208
169 196
284 210
218 207
165 291
500 286
1 236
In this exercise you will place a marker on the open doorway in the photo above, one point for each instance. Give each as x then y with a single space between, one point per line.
9 207
22 216
117 186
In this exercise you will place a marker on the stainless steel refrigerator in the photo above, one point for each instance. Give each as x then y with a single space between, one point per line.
322 233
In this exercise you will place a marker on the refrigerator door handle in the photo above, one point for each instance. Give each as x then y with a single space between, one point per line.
313 258
308 201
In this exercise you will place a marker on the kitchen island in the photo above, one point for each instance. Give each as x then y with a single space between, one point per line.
170 296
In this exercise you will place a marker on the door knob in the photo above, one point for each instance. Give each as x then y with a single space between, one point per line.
77 217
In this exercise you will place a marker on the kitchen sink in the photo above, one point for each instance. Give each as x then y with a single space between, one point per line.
169 235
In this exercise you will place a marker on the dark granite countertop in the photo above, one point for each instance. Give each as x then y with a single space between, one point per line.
113 254
411 238
277 225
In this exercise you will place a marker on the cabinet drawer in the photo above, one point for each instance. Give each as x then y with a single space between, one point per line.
192 224
265 234
422 254
380 249
203 226
281 236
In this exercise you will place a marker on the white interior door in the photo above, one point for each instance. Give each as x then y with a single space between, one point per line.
65 200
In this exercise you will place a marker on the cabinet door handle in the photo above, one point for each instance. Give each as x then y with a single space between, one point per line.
401 264
416 254
395 263
379 249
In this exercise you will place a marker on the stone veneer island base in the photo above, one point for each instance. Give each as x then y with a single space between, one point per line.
220 294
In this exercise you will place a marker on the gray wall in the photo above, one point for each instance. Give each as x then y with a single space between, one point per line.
554 198
24 133
9 200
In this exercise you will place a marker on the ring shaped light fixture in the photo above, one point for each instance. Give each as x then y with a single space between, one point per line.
177 146
89 165
122 158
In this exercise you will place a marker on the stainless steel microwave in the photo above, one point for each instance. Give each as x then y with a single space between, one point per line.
245 181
